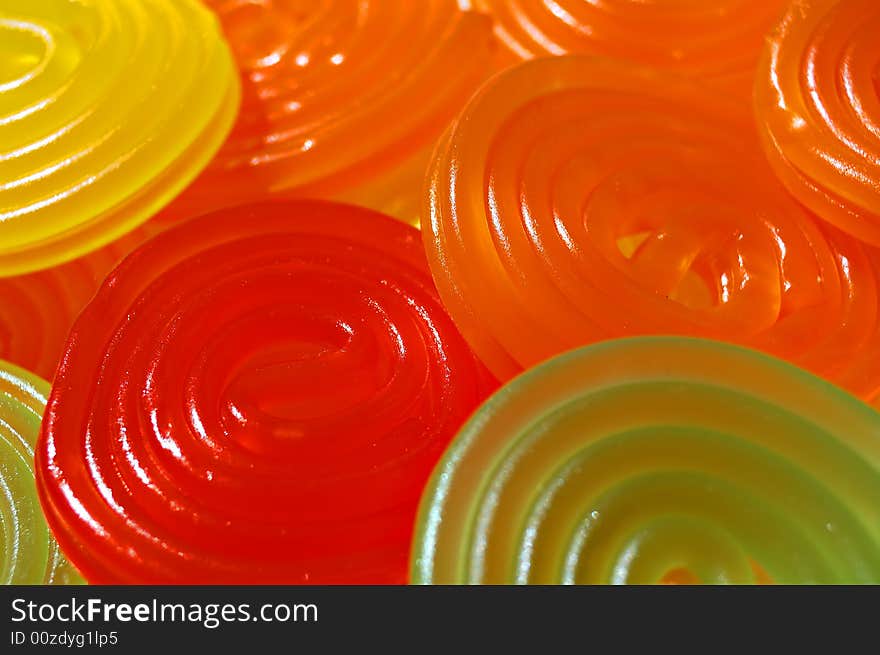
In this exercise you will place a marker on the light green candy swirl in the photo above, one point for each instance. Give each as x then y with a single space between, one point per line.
661 459
28 553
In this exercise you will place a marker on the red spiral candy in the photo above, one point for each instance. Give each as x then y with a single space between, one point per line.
258 395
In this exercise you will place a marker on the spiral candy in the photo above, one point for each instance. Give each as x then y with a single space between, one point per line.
107 110
38 309
817 99
29 554
341 99
255 396
578 199
658 459
718 41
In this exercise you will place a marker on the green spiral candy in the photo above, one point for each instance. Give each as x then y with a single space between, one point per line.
660 459
28 553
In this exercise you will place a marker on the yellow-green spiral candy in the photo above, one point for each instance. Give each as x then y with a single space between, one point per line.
28 553
657 459
108 109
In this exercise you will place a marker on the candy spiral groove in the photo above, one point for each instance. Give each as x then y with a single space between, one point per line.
657 459
817 101
257 395
29 554
578 199
107 110
341 99
718 41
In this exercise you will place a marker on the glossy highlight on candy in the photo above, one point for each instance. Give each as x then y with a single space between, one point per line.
255 396
577 199
28 553
718 41
342 99
658 459
817 102
107 111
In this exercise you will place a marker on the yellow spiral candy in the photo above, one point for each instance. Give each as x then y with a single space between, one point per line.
658 459
28 553
108 108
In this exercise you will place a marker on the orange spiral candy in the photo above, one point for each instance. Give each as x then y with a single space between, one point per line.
719 40
342 99
578 199
38 309
817 98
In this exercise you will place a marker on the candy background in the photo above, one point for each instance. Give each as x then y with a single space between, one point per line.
385 292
